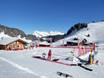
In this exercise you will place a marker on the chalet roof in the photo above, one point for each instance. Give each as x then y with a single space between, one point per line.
44 43
5 41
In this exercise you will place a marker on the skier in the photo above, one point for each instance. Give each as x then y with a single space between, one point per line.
49 55
90 59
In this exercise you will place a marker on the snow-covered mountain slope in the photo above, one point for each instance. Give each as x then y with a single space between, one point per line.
93 33
2 34
43 34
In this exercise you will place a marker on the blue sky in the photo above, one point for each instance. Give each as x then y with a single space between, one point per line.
49 15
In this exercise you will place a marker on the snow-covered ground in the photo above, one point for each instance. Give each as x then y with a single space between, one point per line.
21 64
8 71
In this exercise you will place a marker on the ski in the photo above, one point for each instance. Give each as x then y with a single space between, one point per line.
64 74
54 61
80 65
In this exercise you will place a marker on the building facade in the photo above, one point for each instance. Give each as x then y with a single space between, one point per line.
16 44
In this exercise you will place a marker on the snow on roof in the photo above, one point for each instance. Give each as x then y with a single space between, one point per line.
2 34
5 41
44 43
28 41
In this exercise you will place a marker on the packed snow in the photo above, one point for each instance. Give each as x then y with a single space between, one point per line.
22 63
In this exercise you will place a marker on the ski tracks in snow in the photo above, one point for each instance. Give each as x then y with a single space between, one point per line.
21 67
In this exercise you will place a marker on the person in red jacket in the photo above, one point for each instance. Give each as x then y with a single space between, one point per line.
49 55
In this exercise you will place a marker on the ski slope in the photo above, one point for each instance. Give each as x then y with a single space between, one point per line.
95 30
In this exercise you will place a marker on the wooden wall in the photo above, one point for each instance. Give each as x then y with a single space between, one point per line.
17 45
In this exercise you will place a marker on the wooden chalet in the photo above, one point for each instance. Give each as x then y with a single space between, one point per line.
12 44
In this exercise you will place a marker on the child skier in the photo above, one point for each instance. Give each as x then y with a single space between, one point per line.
49 55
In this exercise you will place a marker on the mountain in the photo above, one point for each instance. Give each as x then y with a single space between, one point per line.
76 28
13 32
45 34
6 31
91 32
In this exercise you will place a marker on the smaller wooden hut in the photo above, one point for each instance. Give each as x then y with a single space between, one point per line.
44 44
